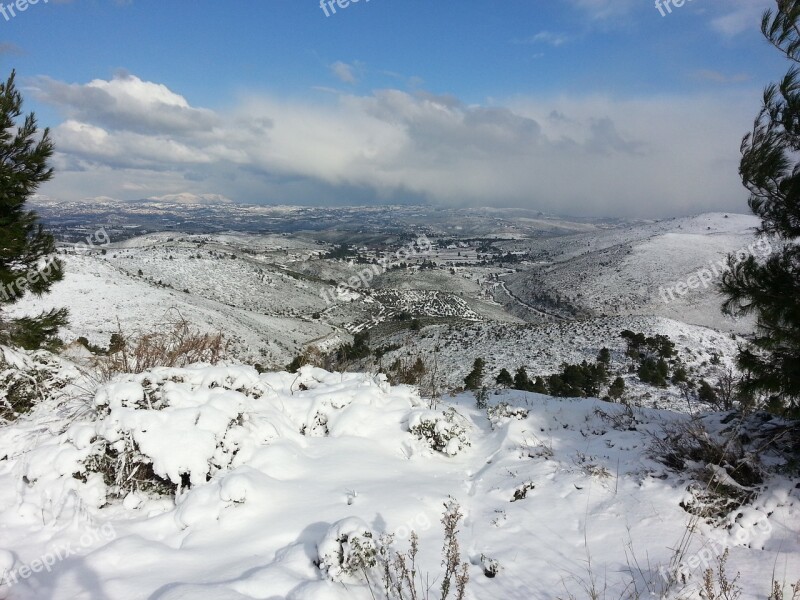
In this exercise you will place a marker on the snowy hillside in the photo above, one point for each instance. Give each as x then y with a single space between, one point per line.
100 297
543 348
277 476
274 295
629 271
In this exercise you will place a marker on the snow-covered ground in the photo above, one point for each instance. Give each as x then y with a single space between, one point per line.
101 299
269 470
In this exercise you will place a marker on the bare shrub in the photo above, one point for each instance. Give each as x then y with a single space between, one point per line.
178 344
394 575
717 584
778 594
726 474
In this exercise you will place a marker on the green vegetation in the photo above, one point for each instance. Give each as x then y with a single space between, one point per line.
357 350
578 381
504 379
341 252
769 288
24 245
617 389
474 380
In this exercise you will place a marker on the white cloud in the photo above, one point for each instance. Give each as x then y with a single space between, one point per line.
344 72
125 102
739 16
605 9
722 78
579 155
547 37
726 17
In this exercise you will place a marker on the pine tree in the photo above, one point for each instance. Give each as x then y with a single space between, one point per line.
521 380
706 393
538 386
27 261
604 356
617 388
117 343
474 380
770 288
504 379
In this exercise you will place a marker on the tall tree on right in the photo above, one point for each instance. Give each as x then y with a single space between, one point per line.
770 289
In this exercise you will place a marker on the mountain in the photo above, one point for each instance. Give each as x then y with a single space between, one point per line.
635 270
187 198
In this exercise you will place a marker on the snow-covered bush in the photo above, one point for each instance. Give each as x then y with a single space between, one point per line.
490 566
171 428
317 427
505 412
26 378
445 432
348 551
723 457
351 553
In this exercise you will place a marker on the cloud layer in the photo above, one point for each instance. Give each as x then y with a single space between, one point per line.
593 155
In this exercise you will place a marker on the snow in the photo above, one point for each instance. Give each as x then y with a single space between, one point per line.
623 271
102 298
266 485
287 470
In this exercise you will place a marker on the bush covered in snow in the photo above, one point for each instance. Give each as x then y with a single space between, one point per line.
445 432
505 412
26 378
729 456
169 429
348 550
351 553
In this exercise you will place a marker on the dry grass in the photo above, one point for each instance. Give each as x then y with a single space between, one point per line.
727 475
398 574
717 584
778 591
175 344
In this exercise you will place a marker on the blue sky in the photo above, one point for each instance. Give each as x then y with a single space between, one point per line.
596 107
